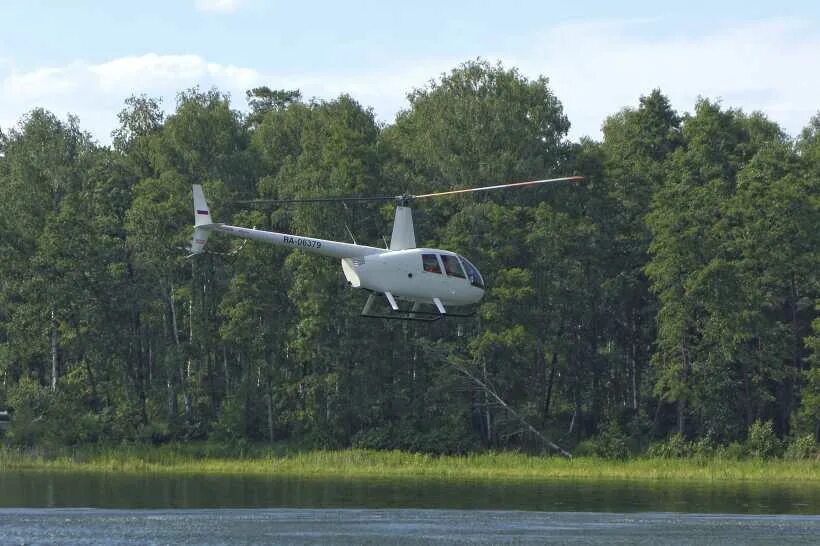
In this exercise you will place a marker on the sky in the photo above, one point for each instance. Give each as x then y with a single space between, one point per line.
85 57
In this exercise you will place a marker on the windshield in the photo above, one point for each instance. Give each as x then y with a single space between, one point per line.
472 273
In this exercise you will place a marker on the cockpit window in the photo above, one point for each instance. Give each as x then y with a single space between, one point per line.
472 273
452 266
429 263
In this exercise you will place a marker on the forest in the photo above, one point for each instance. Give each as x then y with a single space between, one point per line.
673 295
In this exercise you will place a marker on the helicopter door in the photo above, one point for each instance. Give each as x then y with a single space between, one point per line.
452 266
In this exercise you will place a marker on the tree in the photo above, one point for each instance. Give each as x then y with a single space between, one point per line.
481 125
44 161
707 223
637 144
263 100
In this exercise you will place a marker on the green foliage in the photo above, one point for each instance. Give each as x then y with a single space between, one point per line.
481 123
676 447
730 231
733 451
31 404
438 440
231 424
48 419
802 448
807 418
611 442
762 442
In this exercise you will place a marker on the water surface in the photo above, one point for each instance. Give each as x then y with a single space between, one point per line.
405 526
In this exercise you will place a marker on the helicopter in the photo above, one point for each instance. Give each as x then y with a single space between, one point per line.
401 272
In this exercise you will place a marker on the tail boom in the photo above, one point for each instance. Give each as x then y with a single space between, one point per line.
324 247
204 226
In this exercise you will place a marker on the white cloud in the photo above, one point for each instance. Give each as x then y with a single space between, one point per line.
598 68
167 71
95 92
595 69
383 89
218 6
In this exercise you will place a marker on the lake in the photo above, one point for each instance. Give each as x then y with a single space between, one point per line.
70 507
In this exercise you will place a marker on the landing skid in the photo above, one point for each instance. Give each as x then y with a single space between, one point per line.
406 315
414 313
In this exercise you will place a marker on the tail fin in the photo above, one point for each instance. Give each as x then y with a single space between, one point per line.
202 221
202 214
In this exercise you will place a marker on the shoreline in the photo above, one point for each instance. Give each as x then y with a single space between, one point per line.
366 464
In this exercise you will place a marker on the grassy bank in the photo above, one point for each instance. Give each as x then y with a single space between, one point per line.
393 464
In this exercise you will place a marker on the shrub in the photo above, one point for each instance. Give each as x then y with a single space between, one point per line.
733 451
702 449
802 447
585 448
156 433
32 404
673 448
230 426
375 438
762 442
611 442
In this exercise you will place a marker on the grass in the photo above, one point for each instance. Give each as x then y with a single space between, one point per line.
354 463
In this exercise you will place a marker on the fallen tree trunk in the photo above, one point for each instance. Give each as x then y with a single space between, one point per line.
491 392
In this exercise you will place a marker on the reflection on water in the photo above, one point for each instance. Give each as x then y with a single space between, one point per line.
62 489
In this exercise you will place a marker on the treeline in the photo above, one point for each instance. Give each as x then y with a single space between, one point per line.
675 291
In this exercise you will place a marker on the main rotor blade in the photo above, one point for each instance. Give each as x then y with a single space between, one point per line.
406 197
502 186
316 200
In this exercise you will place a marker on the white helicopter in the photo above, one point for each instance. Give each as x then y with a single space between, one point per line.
402 272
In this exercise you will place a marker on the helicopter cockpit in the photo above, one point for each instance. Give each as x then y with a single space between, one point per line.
454 266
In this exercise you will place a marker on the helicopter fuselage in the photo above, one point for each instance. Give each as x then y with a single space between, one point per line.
418 275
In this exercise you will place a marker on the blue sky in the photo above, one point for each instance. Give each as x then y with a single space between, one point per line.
86 56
